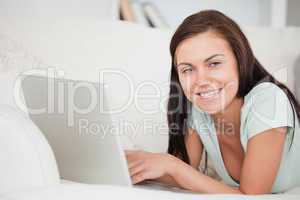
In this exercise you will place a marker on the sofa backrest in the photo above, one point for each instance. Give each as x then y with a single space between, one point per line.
278 50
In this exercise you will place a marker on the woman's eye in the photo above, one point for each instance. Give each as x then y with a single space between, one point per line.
186 70
214 64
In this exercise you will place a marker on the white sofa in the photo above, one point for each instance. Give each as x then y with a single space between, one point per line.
81 49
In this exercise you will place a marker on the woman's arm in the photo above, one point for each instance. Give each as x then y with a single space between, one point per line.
259 170
260 167
194 149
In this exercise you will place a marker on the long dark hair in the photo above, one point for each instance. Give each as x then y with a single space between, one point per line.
251 72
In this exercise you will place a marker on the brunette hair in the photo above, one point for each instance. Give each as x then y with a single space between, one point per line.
251 72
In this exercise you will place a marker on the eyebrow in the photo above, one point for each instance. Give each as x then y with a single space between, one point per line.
207 59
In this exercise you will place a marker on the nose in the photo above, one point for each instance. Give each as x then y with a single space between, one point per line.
202 77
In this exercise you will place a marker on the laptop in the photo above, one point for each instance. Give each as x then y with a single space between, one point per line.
74 117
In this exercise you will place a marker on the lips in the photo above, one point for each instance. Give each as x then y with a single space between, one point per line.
209 94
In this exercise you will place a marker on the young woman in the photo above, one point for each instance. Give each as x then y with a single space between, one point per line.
223 101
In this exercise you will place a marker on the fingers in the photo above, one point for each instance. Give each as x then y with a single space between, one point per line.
134 164
137 171
131 158
136 168
139 177
133 155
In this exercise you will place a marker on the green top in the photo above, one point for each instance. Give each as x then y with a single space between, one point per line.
265 107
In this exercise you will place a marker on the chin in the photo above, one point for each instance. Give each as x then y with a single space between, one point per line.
209 110
212 112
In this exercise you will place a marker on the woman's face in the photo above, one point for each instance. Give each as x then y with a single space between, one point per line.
208 72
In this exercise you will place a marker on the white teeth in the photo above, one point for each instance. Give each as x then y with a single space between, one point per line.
209 94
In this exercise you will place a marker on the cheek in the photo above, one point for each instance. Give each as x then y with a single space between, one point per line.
229 76
234 76
187 85
232 87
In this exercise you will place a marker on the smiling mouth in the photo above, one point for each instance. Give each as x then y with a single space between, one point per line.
209 94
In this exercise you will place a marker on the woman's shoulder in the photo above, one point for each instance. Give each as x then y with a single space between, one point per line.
266 106
264 88
265 94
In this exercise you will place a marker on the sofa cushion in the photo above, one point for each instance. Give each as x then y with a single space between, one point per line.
26 158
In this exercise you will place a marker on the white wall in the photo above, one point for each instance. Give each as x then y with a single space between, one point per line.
254 12
278 13
57 9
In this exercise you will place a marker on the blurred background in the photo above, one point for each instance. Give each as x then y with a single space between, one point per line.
157 13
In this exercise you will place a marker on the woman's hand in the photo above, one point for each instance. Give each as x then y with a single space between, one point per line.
145 165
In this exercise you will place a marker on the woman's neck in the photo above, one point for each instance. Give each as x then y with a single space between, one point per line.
228 121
